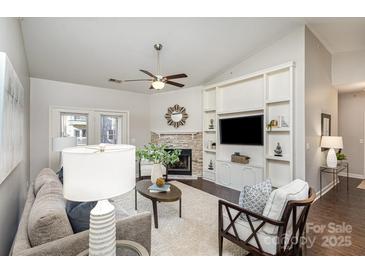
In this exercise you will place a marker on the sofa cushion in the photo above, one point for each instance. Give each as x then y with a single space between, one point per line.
296 190
45 175
48 219
254 197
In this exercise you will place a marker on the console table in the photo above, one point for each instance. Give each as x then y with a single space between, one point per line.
334 171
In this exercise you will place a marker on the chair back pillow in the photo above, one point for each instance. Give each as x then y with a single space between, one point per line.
255 197
296 190
48 219
45 175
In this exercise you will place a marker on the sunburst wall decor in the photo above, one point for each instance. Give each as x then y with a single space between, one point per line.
176 116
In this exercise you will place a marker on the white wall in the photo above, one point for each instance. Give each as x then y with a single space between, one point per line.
348 68
46 93
289 48
320 97
190 98
351 109
13 189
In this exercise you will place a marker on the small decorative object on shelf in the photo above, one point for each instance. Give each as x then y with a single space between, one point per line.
210 166
238 158
282 122
211 124
214 145
273 123
278 151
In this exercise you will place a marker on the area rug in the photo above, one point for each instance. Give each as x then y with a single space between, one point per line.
195 234
361 185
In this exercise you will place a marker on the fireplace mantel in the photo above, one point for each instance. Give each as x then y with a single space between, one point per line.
192 133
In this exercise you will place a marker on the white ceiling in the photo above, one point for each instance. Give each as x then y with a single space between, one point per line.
339 34
92 50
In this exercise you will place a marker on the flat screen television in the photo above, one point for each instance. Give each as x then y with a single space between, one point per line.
248 130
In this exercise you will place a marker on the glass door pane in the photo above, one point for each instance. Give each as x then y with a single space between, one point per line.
110 129
75 125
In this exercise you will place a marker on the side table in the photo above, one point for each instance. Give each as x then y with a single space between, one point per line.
125 248
334 171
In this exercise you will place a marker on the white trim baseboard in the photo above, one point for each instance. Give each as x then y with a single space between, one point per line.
352 175
324 190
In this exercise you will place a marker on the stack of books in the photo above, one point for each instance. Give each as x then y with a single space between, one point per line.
155 188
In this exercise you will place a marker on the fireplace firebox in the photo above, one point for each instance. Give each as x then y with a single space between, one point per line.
184 165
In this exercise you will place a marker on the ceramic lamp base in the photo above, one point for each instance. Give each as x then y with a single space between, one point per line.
332 158
102 235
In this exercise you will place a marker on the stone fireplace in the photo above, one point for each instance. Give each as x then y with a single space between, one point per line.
191 145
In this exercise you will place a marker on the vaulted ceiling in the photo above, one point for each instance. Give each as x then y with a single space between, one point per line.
91 50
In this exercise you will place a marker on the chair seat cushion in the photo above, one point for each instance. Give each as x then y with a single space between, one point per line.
274 209
268 242
48 219
254 197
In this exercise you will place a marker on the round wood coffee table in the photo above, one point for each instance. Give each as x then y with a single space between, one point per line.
173 195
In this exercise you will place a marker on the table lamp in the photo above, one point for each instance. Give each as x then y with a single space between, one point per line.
97 173
332 142
60 143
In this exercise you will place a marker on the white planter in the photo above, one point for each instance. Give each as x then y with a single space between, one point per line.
156 172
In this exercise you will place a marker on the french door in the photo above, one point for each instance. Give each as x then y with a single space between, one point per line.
88 126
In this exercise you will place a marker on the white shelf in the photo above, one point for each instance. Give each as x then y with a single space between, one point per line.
239 164
210 171
277 158
278 101
209 110
210 150
210 130
240 111
279 129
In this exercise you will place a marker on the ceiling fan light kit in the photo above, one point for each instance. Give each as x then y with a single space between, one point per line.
157 81
158 84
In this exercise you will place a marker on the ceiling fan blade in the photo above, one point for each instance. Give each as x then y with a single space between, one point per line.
136 80
148 73
176 76
174 84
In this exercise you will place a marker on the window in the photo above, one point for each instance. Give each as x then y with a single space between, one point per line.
89 127
74 125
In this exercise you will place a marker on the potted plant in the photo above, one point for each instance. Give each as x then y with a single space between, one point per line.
159 156
341 156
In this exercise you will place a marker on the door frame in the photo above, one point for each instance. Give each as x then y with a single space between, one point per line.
91 112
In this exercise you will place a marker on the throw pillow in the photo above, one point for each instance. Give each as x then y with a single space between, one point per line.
255 197
46 175
79 214
48 220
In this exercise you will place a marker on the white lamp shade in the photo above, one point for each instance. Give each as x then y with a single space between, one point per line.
332 142
60 143
90 174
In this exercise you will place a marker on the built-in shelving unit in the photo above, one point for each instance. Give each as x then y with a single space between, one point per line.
268 92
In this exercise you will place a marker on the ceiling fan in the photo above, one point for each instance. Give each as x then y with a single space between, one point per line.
157 81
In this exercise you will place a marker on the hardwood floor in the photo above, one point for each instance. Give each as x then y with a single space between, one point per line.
341 208
340 214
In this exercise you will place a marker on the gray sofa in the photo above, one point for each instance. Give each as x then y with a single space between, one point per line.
135 228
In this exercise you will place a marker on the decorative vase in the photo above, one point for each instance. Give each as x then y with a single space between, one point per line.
156 172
